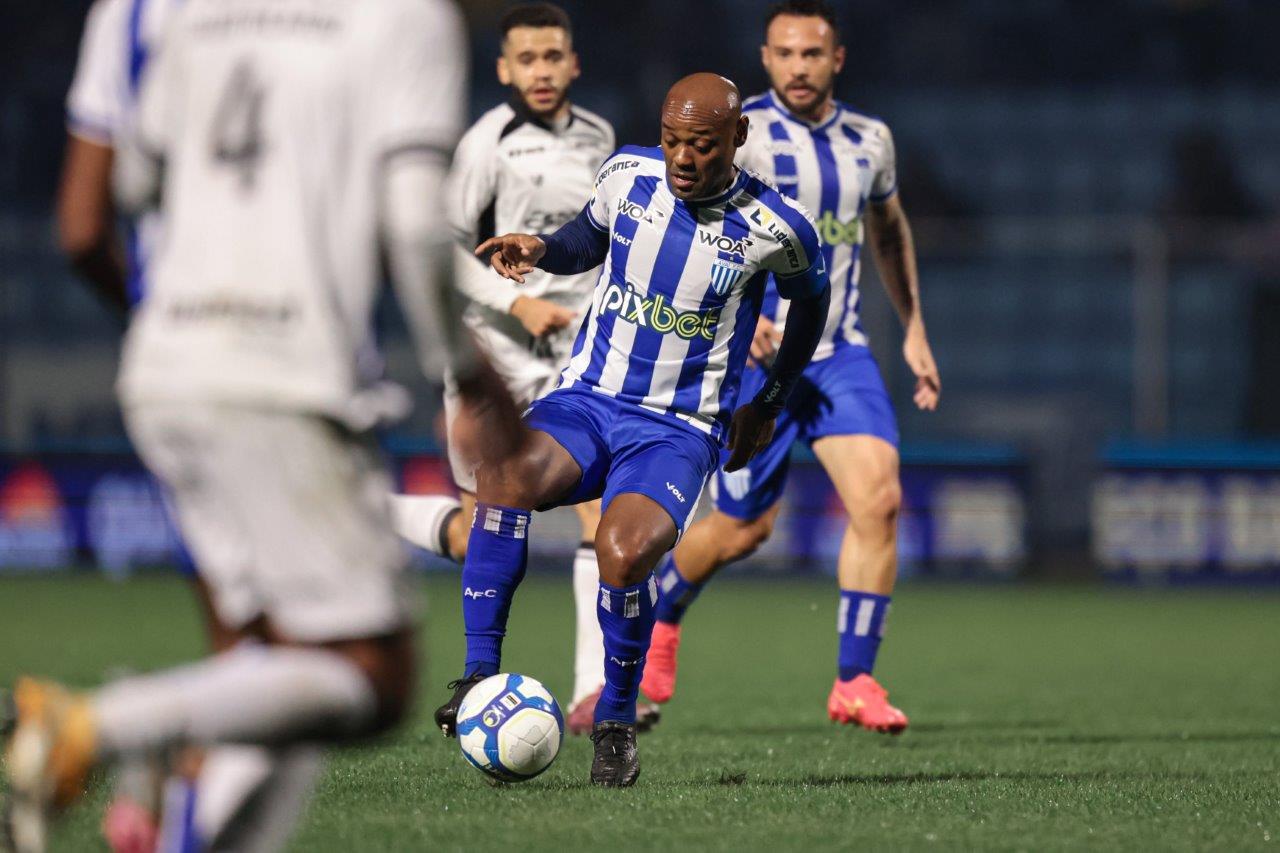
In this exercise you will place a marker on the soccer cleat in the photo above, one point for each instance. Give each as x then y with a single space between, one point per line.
48 757
648 715
616 763
582 716
446 715
864 702
659 682
129 827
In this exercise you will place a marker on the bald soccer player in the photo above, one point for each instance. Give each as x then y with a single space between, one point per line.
685 241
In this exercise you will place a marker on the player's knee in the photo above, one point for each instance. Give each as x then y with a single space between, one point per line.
627 554
745 537
879 505
388 664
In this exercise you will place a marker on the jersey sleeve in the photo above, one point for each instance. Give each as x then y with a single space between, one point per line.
795 254
599 206
886 180
416 94
472 186
96 101
754 154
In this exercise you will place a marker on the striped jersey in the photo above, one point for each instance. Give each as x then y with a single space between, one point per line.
676 303
120 38
834 169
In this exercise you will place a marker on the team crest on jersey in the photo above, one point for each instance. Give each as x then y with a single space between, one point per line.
725 277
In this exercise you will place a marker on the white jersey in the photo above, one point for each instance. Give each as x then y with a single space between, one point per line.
680 290
515 173
120 38
834 169
273 119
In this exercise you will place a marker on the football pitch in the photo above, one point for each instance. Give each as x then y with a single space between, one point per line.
1041 718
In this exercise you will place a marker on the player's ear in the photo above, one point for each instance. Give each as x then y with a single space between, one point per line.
839 55
504 71
577 66
740 132
764 56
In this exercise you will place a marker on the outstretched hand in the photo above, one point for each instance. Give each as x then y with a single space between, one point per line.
513 255
749 432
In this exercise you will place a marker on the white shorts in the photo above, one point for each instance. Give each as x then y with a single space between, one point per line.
286 514
528 375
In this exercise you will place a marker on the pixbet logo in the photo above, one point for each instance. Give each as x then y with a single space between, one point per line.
655 312
837 233
479 593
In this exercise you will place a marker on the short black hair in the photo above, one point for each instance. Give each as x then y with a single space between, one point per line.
804 9
535 15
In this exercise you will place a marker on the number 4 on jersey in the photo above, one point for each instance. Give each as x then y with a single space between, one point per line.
237 124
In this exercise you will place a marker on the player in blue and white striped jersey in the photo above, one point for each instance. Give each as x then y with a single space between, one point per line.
687 241
840 164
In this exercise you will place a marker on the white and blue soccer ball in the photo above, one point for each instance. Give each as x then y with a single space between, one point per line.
510 727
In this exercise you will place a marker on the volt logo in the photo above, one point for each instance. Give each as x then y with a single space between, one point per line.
673 490
656 313
479 593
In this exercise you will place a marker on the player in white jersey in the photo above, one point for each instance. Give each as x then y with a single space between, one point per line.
293 143
120 39
840 164
685 242
526 165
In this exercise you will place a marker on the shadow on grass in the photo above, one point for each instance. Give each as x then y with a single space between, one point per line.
1162 737
890 779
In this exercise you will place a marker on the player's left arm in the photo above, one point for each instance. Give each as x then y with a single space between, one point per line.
894 251
809 291
893 248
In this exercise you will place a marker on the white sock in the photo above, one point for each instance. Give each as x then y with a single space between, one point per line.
588 652
249 695
263 821
423 520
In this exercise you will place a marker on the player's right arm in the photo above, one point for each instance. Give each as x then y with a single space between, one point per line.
473 189
86 214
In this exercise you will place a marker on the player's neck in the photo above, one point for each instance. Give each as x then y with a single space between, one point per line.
556 120
820 112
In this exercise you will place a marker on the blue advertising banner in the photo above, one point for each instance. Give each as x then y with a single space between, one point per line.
960 516
1188 513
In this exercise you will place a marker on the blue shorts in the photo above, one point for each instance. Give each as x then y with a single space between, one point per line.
623 448
839 395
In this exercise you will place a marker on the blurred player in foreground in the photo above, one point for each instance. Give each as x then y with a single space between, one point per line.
121 38
642 410
840 164
293 142
526 165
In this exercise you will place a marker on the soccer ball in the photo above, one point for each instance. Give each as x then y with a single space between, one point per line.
510 727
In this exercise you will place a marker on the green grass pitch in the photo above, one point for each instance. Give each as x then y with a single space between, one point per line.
1042 718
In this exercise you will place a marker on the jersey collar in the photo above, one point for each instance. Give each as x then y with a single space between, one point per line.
778 105
735 187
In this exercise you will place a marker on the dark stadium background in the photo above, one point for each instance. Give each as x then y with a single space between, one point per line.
1094 187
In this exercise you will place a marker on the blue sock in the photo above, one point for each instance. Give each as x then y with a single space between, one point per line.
626 618
675 593
861 624
497 554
